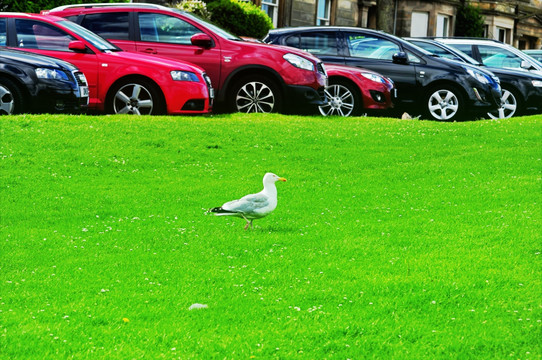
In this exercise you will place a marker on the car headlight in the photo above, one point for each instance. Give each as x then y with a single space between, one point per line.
52 74
178 75
537 83
299 62
478 75
373 77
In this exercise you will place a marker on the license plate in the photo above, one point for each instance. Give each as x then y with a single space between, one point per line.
84 91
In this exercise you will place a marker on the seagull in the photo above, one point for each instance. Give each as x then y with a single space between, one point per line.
253 206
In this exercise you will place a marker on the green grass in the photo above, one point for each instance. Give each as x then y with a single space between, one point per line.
392 239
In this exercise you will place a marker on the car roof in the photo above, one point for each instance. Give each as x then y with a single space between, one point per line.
77 8
31 16
323 27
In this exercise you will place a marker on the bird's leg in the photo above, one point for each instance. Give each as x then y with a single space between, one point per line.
249 222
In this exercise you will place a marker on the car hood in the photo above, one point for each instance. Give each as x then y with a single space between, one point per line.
282 49
130 58
35 59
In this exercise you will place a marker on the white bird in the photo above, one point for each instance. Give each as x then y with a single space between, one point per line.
253 206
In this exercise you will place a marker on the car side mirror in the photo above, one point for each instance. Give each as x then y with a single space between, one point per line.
201 40
77 46
400 58
526 65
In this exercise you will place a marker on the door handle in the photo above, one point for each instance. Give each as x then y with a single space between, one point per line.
150 51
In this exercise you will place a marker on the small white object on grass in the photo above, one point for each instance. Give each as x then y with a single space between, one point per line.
197 306
253 206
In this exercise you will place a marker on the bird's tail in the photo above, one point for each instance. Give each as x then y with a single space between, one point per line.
220 211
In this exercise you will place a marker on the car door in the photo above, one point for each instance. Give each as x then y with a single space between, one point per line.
46 39
375 52
170 36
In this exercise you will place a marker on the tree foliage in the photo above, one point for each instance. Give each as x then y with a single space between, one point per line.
240 17
469 21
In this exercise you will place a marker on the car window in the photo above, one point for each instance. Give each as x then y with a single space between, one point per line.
3 36
466 48
318 43
434 49
413 58
110 25
165 28
32 34
499 57
370 46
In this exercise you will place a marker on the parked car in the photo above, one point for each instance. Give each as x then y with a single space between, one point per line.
119 82
248 76
494 53
352 90
440 89
35 83
521 90
535 54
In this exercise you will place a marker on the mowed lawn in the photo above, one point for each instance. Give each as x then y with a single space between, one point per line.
392 239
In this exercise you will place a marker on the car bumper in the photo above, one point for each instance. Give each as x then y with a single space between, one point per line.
183 98
484 98
379 97
59 99
301 96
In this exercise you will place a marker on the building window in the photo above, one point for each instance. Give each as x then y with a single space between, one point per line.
503 35
443 25
271 8
322 17
418 26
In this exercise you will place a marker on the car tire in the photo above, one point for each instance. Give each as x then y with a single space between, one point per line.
343 99
510 105
136 96
444 103
11 97
255 94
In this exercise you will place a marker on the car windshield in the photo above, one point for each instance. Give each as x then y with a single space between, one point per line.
96 41
219 31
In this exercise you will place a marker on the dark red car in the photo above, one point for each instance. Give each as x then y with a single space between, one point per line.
352 91
248 76
119 81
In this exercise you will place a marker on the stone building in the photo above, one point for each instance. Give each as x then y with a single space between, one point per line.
518 23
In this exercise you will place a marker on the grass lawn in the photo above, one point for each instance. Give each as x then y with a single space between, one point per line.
392 239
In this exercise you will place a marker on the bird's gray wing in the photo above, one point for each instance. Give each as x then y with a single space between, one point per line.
247 204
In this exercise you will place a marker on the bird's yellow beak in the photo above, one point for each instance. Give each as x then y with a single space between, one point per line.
282 179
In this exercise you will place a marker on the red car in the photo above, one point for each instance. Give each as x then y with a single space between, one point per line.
353 90
248 76
119 81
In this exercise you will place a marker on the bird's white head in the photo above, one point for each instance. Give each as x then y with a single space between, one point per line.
271 178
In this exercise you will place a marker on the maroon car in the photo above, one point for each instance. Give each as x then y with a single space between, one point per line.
248 76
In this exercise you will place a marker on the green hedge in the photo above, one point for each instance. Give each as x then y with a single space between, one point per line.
35 6
240 18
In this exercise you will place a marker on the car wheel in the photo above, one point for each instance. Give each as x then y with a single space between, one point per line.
509 106
444 103
11 98
343 100
255 94
136 96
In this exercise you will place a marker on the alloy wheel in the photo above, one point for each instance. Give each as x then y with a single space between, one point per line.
509 106
443 104
340 101
133 99
255 97
7 102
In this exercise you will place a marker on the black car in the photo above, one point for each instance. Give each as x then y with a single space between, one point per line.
440 89
521 90
37 83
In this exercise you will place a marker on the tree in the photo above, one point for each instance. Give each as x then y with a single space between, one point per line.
469 22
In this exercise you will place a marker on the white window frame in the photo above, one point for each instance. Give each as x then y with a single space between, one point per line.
271 8
419 18
323 19
443 25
